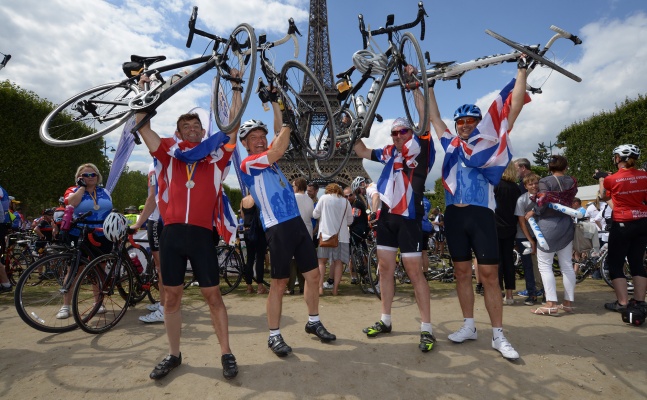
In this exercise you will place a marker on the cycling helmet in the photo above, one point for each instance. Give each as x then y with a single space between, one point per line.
356 183
61 200
249 126
363 59
467 110
115 226
48 211
627 151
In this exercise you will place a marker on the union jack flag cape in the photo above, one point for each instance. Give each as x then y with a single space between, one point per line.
488 147
394 185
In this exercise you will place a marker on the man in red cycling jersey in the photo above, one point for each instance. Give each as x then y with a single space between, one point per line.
192 170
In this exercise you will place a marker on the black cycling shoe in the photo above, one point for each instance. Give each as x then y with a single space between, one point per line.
317 328
229 367
615 306
165 366
278 346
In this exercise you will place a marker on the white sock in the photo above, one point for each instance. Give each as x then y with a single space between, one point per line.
313 318
497 333
386 318
275 332
425 327
469 322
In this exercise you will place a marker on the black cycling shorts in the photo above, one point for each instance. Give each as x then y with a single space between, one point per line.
425 240
154 230
395 231
182 242
472 228
627 240
286 240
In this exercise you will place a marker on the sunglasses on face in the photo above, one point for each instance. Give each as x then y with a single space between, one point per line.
400 132
463 121
89 174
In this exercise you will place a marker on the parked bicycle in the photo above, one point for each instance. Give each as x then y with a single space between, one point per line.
47 284
354 118
99 110
230 264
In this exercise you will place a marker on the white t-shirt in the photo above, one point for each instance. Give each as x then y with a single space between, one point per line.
306 207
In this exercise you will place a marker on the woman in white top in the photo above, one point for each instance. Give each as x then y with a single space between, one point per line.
334 214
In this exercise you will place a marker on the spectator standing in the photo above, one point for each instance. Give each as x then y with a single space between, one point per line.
306 207
256 244
506 194
522 166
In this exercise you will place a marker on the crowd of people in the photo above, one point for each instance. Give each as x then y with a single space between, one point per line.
304 233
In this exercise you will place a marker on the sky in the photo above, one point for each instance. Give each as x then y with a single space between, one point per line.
60 48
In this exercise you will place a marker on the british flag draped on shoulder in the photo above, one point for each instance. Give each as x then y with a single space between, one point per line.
487 149
393 185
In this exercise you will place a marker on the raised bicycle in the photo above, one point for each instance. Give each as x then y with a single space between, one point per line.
354 118
99 110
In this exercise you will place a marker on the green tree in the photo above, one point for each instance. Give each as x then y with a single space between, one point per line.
541 155
33 172
437 198
131 190
235 196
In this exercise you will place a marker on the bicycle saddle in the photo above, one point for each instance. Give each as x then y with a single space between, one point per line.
147 60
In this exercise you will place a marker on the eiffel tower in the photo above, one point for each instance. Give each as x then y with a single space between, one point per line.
319 60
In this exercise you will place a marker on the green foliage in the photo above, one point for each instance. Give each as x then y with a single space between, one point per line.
589 143
33 172
541 155
131 190
437 198
235 196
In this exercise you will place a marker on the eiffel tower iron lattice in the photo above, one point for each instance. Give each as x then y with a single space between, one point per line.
319 60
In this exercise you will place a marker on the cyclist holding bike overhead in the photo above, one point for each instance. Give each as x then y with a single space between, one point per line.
286 234
478 145
192 173
401 186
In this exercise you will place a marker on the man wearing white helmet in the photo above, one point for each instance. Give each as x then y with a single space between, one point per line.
286 235
401 185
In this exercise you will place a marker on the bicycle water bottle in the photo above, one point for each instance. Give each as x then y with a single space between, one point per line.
371 92
360 106
136 263
66 222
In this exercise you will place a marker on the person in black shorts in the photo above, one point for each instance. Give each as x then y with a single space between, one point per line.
401 218
286 234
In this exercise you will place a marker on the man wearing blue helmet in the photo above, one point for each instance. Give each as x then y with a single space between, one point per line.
475 157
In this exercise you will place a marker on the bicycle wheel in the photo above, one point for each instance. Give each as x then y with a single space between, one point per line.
88 115
373 272
151 285
39 293
411 54
231 268
142 262
604 270
360 264
239 53
15 267
101 298
342 145
308 109
531 52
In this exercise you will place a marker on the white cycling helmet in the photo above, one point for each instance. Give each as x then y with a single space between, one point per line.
363 59
249 126
627 151
115 226
356 183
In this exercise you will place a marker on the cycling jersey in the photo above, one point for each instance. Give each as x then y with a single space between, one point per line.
270 189
427 227
193 189
95 220
628 189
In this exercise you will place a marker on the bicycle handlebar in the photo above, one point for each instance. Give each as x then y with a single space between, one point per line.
390 28
291 34
199 32
576 40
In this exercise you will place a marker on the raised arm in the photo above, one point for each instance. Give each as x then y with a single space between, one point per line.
518 92
434 114
281 139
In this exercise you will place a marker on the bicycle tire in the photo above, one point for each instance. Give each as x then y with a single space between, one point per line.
308 110
76 120
16 266
38 297
412 55
345 149
373 273
243 39
95 288
230 266
530 53
360 265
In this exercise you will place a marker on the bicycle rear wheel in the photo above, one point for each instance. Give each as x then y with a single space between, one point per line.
360 264
412 55
88 115
343 145
373 273
239 53
39 293
141 259
308 109
530 52
101 299
231 268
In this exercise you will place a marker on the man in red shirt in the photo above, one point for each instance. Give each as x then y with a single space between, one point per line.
192 172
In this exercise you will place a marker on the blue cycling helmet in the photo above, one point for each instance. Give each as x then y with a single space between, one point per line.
467 110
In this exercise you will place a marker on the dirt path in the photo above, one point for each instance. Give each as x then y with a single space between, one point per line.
587 355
